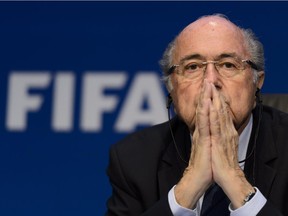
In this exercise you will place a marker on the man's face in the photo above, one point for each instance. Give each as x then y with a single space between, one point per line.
208 39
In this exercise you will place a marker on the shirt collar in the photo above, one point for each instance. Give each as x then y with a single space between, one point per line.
244 141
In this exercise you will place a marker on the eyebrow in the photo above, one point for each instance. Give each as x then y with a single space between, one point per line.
192 56
227 55
198 56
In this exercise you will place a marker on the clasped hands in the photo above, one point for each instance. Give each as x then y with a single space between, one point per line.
214 153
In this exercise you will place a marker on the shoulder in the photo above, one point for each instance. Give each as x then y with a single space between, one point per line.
275 128
137 153
275 117
147 146
153 137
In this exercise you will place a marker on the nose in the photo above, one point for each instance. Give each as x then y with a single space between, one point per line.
211 73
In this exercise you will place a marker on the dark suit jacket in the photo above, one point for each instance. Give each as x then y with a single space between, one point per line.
145 166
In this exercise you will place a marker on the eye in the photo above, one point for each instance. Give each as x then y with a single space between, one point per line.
193 67
229 64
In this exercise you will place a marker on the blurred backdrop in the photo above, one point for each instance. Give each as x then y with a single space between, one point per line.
78 76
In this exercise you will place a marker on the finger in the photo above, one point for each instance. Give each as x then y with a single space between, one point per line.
202 111
216 97
218 113
214 121
223 131
205 94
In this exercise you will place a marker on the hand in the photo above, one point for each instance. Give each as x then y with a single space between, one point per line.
224 147
224 138
214 153
198 175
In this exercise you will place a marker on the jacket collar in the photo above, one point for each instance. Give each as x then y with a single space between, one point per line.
259 169
171 166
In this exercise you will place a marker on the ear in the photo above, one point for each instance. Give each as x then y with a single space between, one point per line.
261 76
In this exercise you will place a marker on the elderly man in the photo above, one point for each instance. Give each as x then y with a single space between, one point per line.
223 153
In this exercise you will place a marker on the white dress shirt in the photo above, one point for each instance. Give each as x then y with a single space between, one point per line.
251 208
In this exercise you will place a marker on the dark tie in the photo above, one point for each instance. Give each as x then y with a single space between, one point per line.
215 202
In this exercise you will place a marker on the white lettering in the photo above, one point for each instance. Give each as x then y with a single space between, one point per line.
145 86
94 100
143 105
20 102
62 111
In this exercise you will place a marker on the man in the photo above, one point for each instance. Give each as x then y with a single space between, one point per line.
223 153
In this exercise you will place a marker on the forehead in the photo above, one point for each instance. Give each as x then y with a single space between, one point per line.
210 37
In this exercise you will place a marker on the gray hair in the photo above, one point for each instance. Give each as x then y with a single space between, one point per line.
255 49
253 46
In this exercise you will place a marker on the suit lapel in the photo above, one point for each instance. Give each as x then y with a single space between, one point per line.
259 168
168 173
171 166
266 155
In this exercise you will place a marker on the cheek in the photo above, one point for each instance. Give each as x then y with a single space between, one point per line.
186 92
185 96
242 102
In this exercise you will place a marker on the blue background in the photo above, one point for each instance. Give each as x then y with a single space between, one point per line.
44 172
